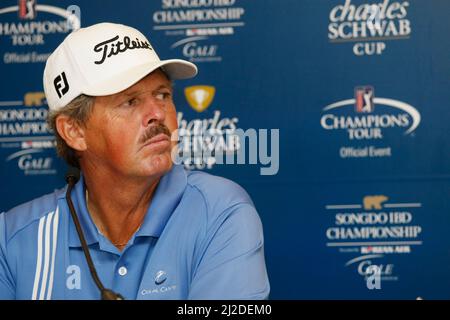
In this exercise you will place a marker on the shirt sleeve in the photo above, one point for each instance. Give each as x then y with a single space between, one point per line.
232 264
6 279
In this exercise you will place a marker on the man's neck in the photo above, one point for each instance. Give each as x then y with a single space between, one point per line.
118 206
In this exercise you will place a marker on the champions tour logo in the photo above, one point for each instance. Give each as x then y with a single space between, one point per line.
368 25
364 122
29 24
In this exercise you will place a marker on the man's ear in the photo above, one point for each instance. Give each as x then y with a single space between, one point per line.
71 132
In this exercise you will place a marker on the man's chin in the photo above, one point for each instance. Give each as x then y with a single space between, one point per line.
158 165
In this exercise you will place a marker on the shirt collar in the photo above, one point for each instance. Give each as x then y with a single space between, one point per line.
166 198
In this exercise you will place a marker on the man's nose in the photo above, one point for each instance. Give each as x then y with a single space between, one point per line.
154 110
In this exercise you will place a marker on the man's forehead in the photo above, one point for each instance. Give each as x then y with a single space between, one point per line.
154 80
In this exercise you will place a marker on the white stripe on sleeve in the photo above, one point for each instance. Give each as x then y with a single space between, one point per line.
54 242
37 274
46 255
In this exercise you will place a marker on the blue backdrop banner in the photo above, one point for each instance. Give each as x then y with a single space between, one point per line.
339 107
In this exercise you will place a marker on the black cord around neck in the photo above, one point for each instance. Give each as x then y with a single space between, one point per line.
106 294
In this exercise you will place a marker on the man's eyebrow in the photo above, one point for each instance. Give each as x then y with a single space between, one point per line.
165 86
134 92
129 93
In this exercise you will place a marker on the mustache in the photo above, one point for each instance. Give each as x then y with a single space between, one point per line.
153 131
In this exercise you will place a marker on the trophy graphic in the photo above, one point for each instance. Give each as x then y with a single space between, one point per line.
199 97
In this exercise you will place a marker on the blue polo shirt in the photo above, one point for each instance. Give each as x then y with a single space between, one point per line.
201 239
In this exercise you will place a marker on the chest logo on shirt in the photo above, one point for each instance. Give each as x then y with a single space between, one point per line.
74 277
160 277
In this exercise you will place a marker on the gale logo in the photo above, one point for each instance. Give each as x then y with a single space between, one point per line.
370 270
195 51
199 97
30 162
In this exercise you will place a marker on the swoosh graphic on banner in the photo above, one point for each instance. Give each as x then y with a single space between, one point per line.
415 115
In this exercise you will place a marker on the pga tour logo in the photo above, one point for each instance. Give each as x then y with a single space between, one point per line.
366 124
27 9
364 99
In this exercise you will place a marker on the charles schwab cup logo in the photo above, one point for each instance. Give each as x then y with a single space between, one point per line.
368 25
201 138
369 118
212 139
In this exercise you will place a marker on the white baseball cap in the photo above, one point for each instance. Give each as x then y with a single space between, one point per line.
104 59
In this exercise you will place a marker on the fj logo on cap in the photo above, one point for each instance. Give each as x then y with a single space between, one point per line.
60 89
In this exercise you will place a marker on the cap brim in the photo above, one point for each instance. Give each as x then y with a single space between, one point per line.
178 69
175 69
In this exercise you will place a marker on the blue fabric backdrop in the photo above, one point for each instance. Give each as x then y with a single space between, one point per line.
360 98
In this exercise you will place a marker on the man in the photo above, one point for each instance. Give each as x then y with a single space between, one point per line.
152 230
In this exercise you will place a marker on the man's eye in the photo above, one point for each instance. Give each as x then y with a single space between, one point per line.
130 103
162 96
